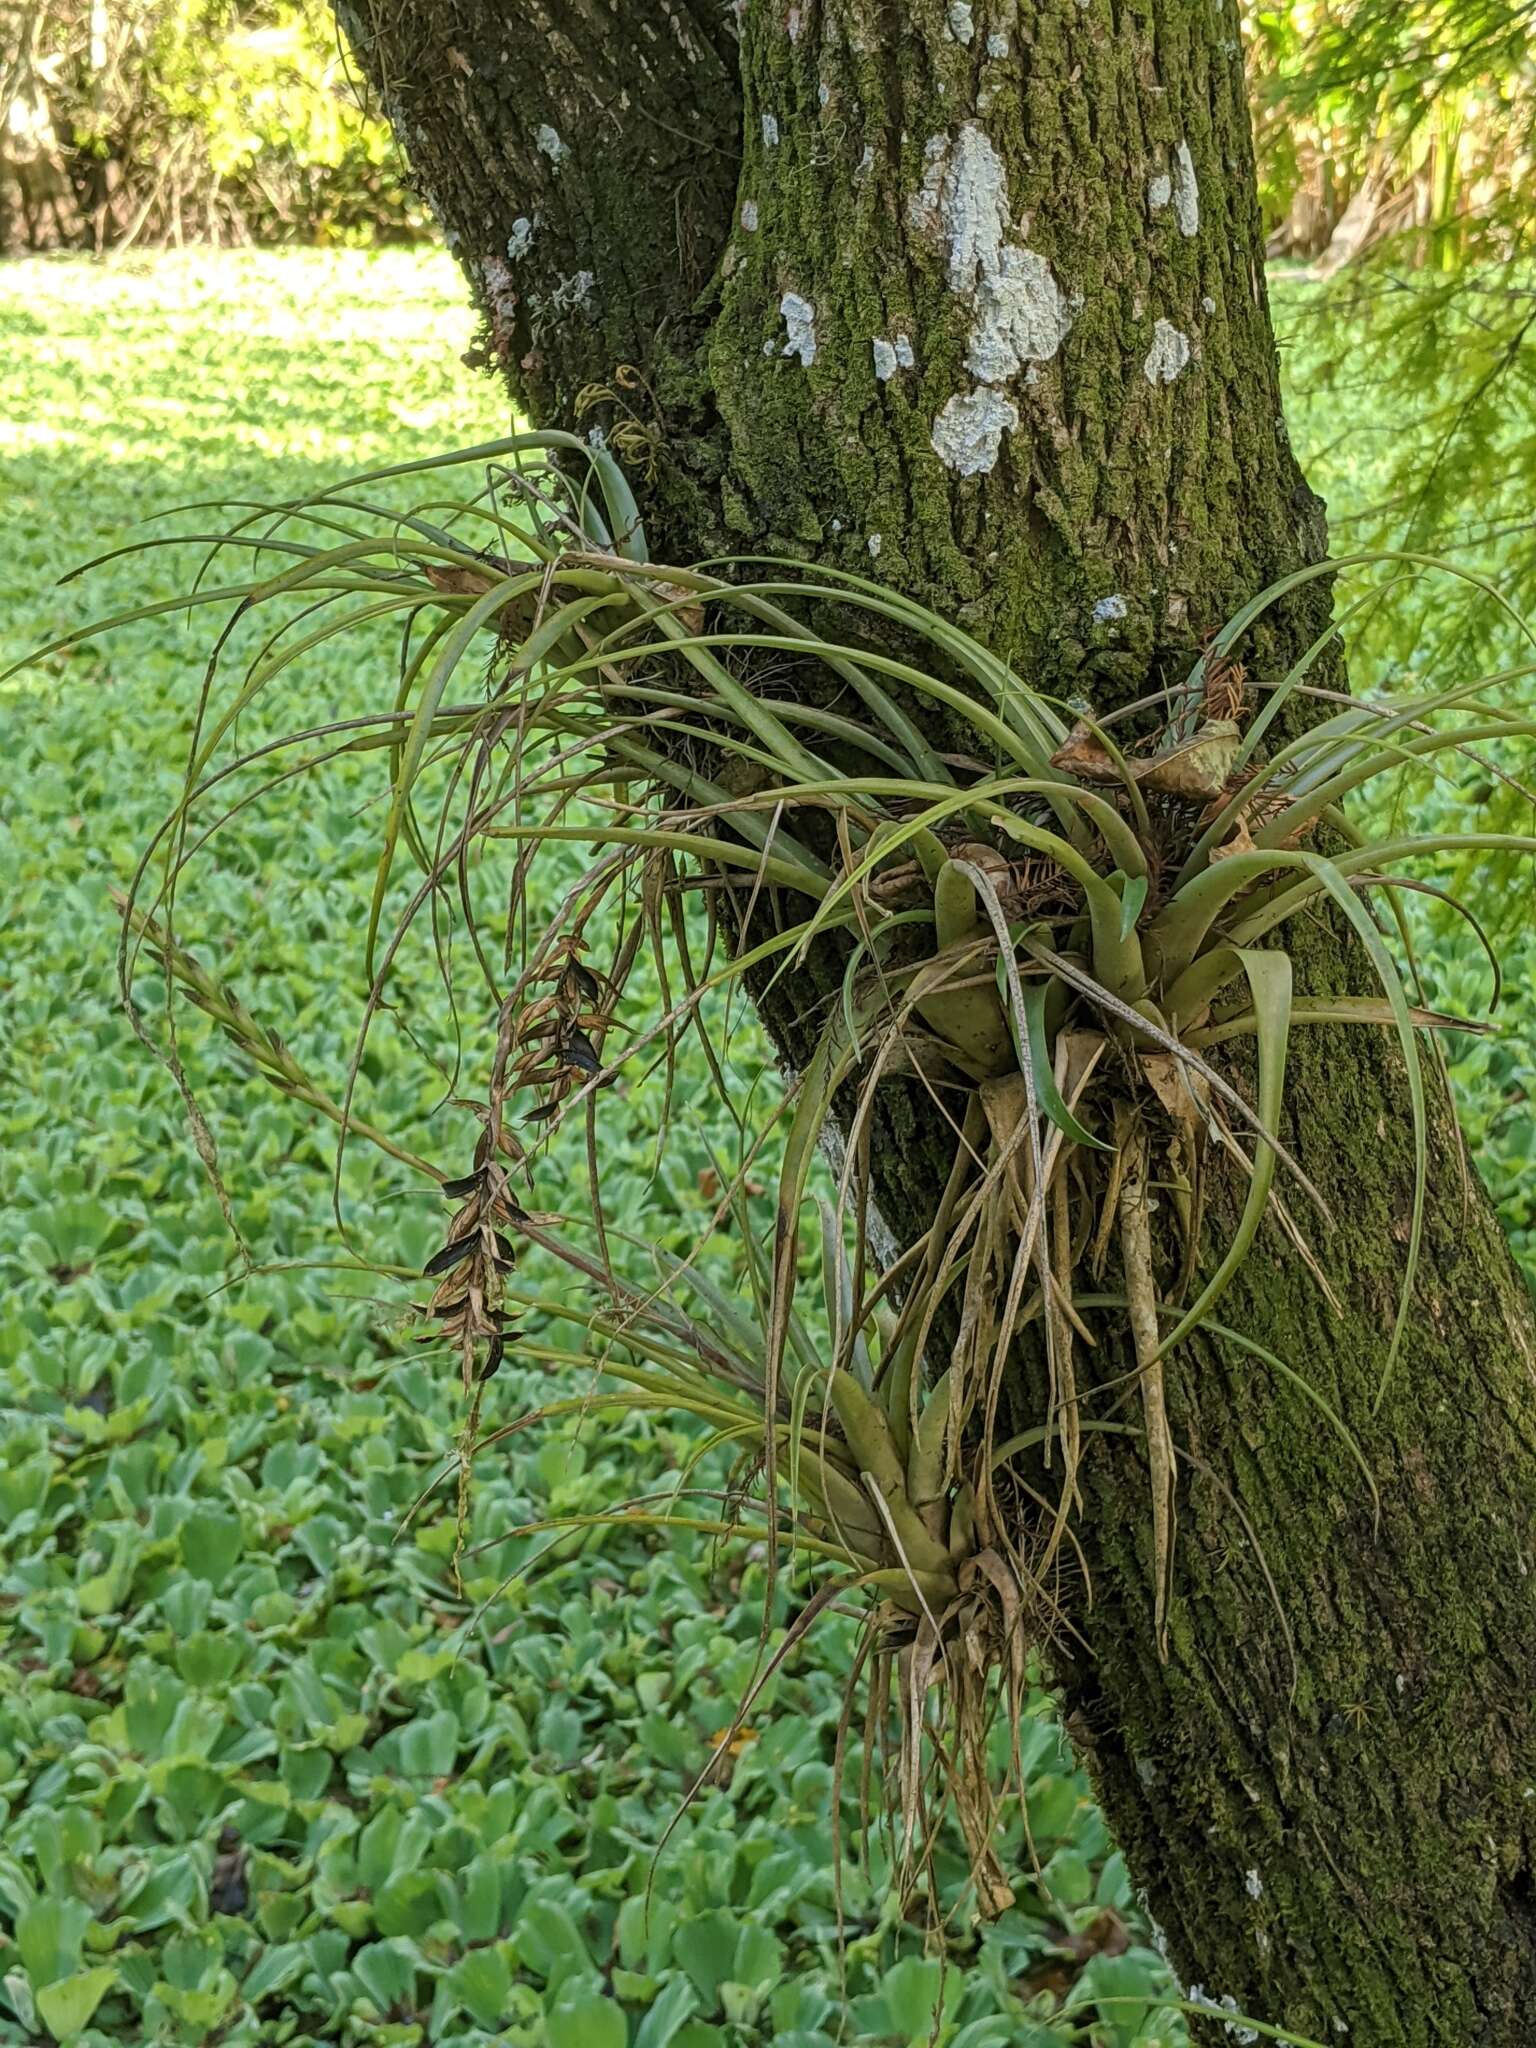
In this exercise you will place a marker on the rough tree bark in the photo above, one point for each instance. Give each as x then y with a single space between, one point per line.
971 298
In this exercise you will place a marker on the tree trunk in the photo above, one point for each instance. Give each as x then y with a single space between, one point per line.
972 300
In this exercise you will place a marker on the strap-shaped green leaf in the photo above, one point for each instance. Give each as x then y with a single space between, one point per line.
1269 981
1132 897
829 1066
453 650
1036 995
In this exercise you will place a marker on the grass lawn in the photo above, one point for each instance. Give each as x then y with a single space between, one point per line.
265 1774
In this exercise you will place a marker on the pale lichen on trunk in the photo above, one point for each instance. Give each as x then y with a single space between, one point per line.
971 299
986 198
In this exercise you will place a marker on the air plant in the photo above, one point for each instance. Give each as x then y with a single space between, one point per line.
1051 928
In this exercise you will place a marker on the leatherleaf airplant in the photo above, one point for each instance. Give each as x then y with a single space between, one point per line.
1047 925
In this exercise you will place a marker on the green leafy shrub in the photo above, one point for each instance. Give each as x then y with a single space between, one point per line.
1406 121
192 119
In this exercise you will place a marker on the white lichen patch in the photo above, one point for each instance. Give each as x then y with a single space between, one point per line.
1021 314
1253 1885
792 24
800 326
875 543
1112 607
997 45
1168 354
749 215
1186 192
865 164
1159 191
1021 317
961 24
548 140
770 131
885 358
1198 1995
904 355
573 293
968 433
1207 305
823 94
973 204
923 206
520 241
500 295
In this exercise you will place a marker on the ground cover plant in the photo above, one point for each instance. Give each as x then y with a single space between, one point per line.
291 1510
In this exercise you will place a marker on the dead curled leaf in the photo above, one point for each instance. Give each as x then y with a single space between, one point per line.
1240 842
515 618
1195 771
682 604
1182 1092
1083 754
1198 770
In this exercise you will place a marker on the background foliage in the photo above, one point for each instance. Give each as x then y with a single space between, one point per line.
1407 119
239 119
183 120
1396 151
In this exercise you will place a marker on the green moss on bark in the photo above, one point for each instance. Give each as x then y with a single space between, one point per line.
1169 499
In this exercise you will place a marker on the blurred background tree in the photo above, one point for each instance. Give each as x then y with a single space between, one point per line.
1394 121
1397 157
1402 124
151 121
